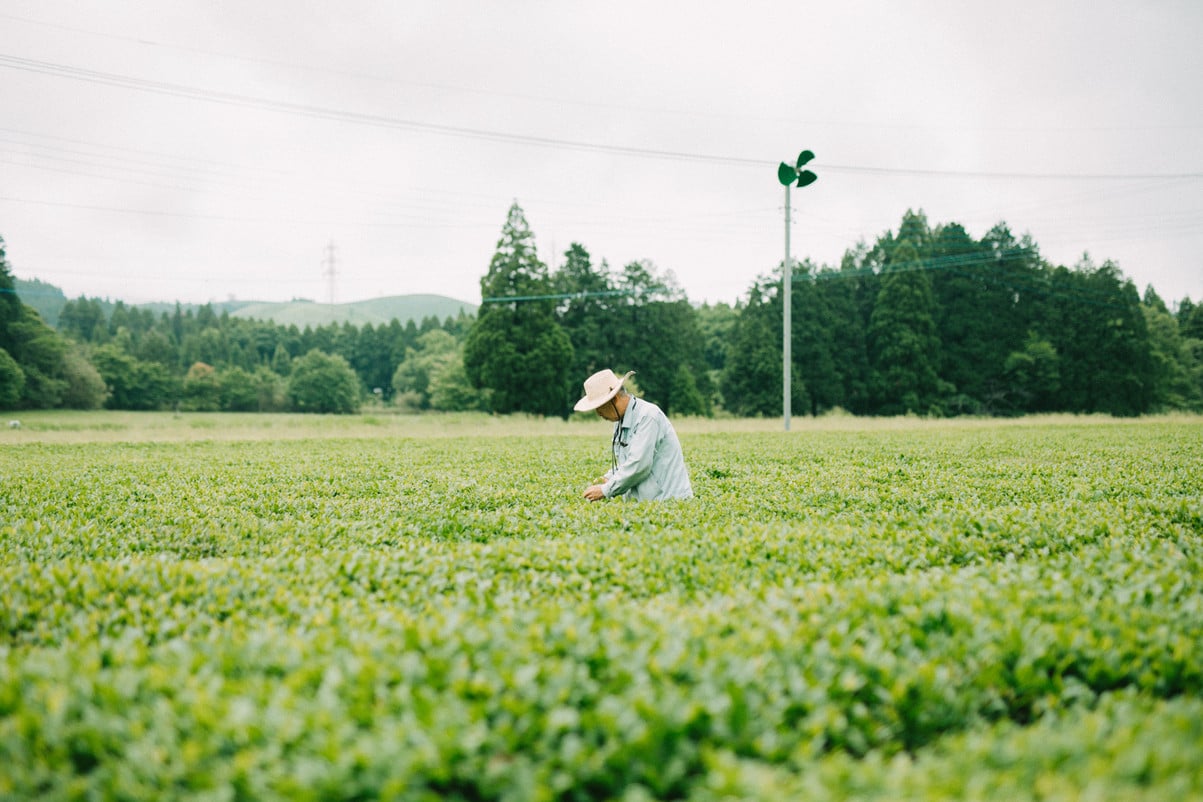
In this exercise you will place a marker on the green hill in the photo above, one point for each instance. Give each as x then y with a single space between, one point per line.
49 300
376 311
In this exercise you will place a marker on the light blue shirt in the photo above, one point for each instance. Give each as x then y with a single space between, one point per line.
651 466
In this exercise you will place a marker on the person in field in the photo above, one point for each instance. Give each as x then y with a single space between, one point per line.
647 461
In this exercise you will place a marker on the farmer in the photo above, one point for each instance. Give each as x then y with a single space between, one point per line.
647 460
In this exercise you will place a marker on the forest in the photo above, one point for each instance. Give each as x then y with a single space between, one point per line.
926 320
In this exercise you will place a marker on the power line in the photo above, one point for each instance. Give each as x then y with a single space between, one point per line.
320 112
933 263
359 75
983 264
561 101
159 165
565 296
232 219
382 121
229 175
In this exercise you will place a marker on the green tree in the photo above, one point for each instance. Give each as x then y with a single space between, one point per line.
201 390
34 346
687 399
967 310
272 390
812 345
716 325
1033 375
85 387
1100 333
1175 372
84 320
263 339
322 382
10 304
12 381
208 346
131 383
752 380
281 363
1190 319
903 345
656 332
239 391
915 229
39 350
372 359
516 350
412 378
864 267
450 389
846 327
982 307
154 346
587 316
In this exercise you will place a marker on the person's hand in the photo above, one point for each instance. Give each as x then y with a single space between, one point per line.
595 492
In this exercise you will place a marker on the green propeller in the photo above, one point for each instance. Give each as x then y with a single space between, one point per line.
788 175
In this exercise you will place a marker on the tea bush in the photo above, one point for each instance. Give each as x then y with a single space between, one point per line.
938 612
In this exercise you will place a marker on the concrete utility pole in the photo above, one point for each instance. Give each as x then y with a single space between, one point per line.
788 175
787 326
329 272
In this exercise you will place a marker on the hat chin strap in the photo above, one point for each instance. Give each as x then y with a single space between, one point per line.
613 402
617 413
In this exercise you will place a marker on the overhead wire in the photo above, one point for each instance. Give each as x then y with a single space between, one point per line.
984 266
1154 181
559 101
568 296
385 121
236 219
384 198
981 266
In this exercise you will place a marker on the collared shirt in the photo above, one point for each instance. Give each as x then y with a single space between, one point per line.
649 464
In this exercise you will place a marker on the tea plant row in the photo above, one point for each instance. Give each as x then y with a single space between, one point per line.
934 614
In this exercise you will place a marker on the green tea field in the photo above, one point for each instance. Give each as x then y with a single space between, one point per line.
287 608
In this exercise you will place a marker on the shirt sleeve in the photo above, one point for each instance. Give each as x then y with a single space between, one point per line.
640 453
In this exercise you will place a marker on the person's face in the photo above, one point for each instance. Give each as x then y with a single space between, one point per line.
609 411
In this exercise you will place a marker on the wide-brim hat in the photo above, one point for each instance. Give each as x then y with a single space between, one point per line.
600 388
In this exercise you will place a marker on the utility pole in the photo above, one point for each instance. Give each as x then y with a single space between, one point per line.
787 326
788 175
329 272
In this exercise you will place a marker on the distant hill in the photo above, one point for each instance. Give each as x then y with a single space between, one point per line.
157 308
376 311
48 300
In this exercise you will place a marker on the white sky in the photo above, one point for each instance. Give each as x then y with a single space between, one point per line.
278 127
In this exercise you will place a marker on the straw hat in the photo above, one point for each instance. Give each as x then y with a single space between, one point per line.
600 388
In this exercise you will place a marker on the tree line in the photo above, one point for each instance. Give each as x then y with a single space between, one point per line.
930 321
926 320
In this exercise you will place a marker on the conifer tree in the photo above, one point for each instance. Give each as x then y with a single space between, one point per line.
587 317
516 350
812 345
10 304
903 345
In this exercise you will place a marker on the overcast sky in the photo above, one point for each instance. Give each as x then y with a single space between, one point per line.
197 151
